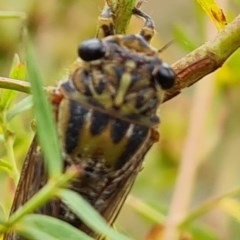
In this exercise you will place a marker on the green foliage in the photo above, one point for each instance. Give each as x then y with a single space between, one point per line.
84 211
44 227
217 173
7 98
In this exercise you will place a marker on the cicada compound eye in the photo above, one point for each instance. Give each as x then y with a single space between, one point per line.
90 50
164 76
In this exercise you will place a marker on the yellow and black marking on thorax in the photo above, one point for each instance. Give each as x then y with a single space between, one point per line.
117 93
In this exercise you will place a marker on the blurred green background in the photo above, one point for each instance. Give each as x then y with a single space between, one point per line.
57 27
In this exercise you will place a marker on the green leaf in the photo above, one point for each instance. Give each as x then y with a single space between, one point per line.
5 165
199 232
20 107
214 12
88 214
18 71
36 226
33 233
46 129
46 193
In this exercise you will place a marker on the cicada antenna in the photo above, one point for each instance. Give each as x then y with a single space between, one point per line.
166 46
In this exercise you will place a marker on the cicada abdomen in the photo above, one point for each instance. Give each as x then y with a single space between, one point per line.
106 120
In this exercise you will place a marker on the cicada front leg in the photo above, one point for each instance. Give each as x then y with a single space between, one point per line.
106 24
148 29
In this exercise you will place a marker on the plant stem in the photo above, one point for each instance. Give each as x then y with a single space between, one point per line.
189 69
122 11
13 84
191 155
207 206
206 59
190 159
10 154
146 210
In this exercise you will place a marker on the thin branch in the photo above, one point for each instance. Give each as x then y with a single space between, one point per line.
122 12
208 206
190 159
191 68
206 59
14 84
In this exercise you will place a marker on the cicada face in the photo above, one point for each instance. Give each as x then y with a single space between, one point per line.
122 75
106 120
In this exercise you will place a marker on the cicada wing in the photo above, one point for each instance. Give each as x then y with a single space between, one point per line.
31 180
116 201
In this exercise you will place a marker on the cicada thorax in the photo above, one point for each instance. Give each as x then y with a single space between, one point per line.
106 118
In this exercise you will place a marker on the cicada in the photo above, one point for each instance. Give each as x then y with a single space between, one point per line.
106 120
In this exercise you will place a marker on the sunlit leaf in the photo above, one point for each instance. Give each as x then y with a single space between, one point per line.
17 71
228 76
214 12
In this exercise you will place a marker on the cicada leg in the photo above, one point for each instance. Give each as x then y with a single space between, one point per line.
106 26
148 29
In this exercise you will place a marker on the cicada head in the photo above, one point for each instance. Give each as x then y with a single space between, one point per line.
122 75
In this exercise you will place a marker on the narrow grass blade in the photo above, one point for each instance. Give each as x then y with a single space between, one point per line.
41 227
89 215
19 107
46 129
